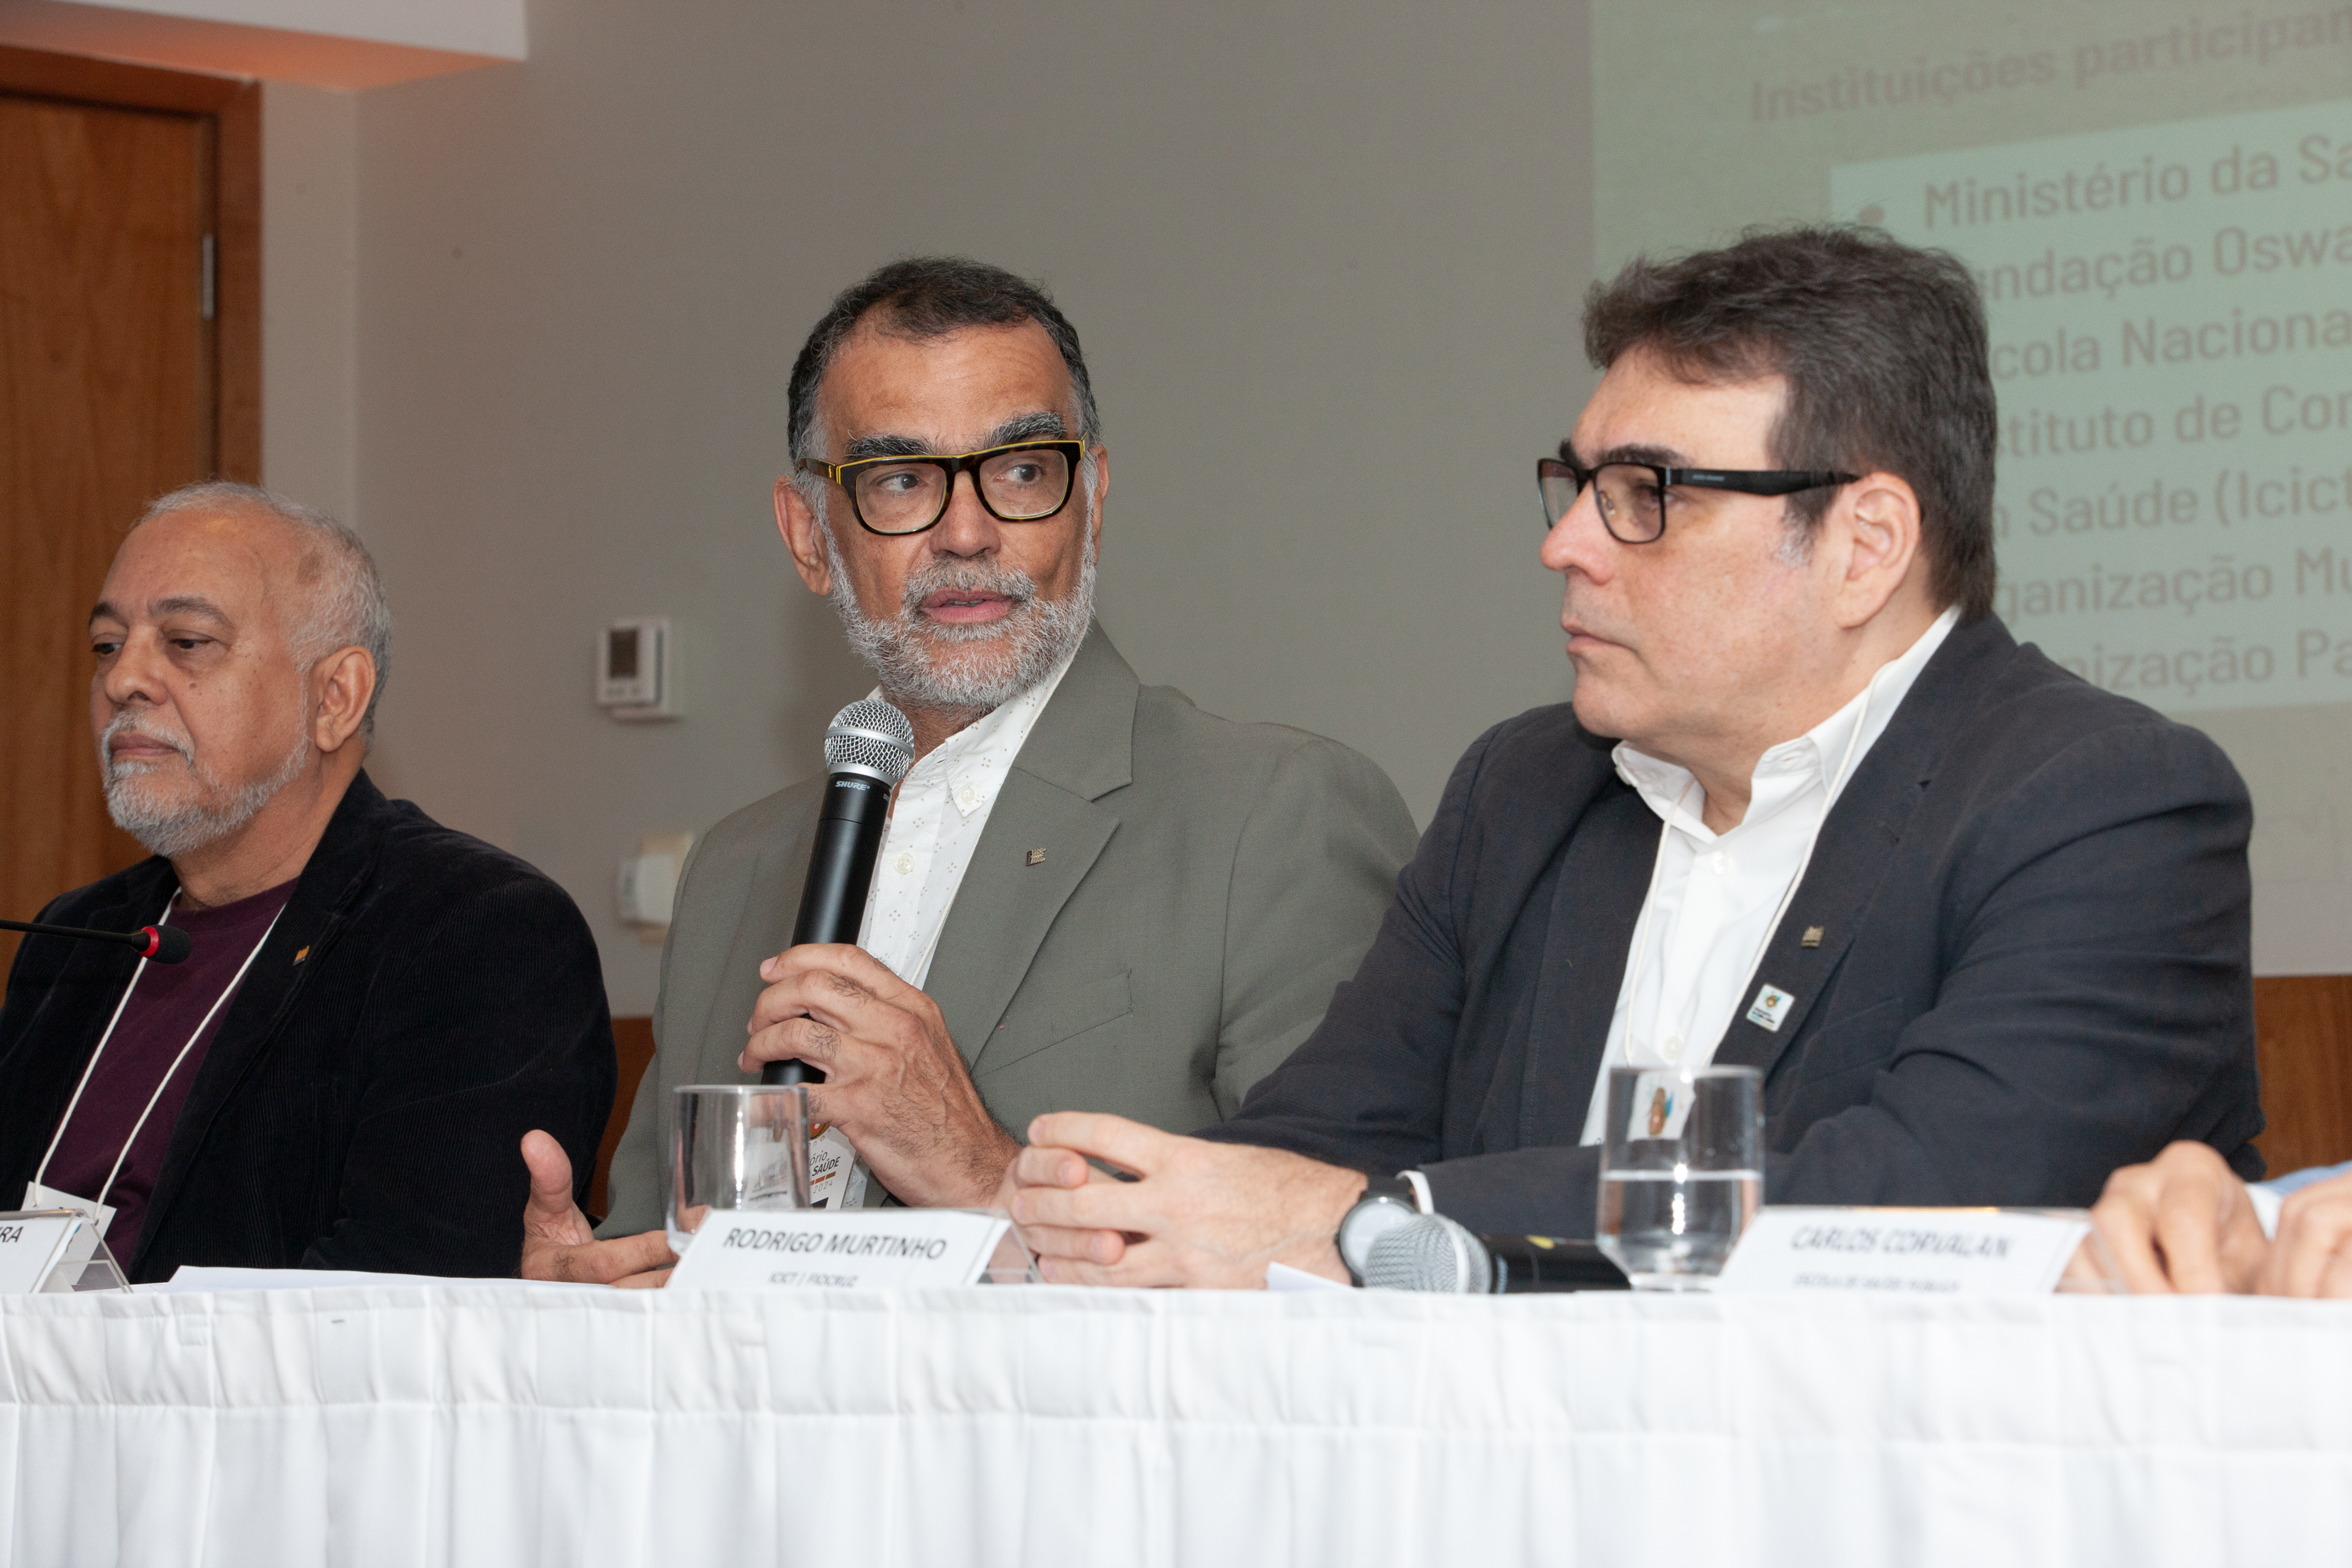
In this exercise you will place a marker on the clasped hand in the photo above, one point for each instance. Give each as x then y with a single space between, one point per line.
1198 1214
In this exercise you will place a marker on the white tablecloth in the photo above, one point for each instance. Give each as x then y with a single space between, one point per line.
503 1425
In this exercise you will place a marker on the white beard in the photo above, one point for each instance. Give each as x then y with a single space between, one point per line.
968 668
172 830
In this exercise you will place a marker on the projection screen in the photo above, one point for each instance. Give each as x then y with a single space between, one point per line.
2156 201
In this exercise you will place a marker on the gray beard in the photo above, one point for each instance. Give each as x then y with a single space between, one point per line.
173 831
967 669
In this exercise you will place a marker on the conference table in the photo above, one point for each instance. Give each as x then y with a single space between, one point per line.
512 1424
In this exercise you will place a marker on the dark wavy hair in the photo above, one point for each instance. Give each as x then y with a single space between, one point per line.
929 297
1884 351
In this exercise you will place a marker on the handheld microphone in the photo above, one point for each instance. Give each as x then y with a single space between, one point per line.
868 748
1432 1253
164 944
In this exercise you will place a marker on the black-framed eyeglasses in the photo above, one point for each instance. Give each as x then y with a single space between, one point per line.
1634 497
1025 481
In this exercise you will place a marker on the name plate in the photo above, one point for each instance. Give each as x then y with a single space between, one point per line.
31 1247
846 1249
1930 1252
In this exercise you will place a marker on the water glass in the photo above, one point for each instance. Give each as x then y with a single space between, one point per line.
736 1146
1682 1172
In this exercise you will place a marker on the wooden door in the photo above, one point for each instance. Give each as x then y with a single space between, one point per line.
2302 1030
111 392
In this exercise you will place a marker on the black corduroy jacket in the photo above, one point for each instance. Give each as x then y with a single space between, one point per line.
425 1000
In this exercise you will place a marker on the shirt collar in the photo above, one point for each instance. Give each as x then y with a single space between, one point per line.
971 764
1787 772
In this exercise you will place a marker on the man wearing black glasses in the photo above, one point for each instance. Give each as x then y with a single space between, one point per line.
1090 892
1982 927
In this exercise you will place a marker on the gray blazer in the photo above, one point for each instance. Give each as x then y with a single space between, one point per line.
1204 886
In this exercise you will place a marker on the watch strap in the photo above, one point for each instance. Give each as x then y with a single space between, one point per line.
1419 1185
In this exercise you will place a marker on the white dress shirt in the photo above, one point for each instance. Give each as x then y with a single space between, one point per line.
1715 897
935 824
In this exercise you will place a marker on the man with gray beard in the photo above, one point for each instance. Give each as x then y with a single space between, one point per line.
372 1007
1089 891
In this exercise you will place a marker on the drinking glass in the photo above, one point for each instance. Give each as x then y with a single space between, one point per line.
736 1146
1681 1171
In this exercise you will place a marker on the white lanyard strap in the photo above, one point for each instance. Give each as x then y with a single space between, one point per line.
218 1003
210 1013
91 1066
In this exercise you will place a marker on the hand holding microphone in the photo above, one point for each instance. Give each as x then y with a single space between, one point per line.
868 748
874 1050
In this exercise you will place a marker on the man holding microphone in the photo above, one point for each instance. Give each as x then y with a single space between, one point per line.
1090 892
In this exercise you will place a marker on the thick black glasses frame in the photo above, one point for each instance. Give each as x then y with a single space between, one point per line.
1746 481
1073 452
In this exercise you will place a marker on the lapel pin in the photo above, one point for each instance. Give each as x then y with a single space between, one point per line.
301 954
1813 937
1036 857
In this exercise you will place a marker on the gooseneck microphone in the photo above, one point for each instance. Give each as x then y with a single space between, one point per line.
868 748
1430 1252
164 944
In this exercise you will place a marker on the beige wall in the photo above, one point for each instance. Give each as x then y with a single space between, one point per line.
1326 260
310 294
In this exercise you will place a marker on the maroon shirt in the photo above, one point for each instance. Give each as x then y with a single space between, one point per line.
167 1001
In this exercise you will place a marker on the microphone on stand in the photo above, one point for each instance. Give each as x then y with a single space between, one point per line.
1431 1253
868 748
164 944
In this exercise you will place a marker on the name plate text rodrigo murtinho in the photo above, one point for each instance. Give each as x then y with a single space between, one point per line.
844 1249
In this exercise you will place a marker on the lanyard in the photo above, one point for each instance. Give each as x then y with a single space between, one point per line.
218 1002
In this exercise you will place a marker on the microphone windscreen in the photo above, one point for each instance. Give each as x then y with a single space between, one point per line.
869 736
171 944
1430 1252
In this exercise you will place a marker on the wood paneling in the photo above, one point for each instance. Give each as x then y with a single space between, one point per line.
106 400
78 76
237 321
114 387
2302 1030
634 1039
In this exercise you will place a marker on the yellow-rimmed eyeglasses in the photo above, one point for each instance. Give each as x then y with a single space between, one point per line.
1024 482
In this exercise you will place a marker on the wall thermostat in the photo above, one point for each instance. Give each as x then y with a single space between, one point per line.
636 669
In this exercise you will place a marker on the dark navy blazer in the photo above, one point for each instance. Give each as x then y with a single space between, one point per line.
2033 968
425 1000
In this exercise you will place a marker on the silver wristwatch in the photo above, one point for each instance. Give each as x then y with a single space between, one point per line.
1386 1201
